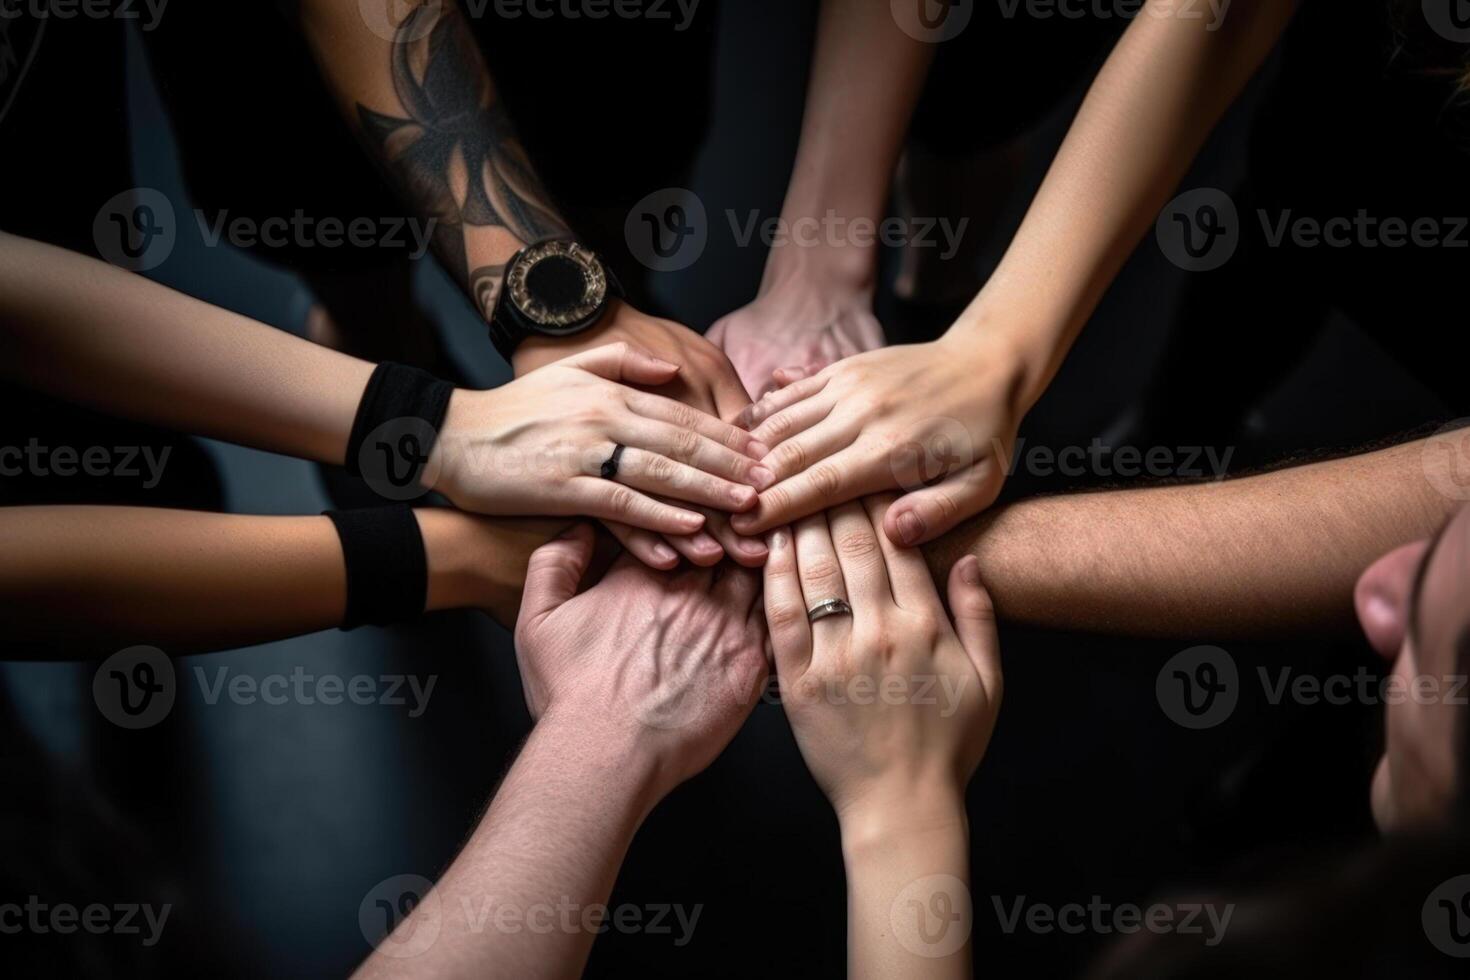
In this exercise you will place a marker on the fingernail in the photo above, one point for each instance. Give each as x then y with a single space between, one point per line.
752 547
691 519
758 449
910 528
761 477
970 570
664 553
778 539
703 542
743 496
741 521
666 365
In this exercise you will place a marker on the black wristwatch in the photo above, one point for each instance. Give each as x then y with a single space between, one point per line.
554 288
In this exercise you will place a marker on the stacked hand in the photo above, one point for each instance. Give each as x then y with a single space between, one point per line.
538 445
936 420
707 383
668 666
801 326
893 705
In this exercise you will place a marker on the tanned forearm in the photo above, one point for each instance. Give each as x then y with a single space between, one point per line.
1262 556
80 581
544 857
84 331
416 88
865 80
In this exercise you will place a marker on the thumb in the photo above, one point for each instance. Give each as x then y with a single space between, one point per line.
925 514
553 574
624 362
974 621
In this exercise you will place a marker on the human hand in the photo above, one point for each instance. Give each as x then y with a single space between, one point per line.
892 706
668 664
536 446
800 324
706 381
936 420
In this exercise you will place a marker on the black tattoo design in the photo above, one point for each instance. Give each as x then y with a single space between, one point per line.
456 153
485 285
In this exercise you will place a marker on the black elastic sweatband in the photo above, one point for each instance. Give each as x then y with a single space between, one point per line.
396 393
387 571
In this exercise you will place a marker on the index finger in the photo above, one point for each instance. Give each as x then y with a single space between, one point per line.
835 480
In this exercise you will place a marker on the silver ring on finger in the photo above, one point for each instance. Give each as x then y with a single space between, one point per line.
828 607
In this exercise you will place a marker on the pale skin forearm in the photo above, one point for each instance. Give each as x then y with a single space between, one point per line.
86 332
908 871
866 77
84 580
454 157
1162 90
1262 556
556 833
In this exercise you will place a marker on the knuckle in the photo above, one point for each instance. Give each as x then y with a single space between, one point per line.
785 616
660 469
621 500
826 481
686 444
857 544
821 570
776 500
791 457
779 426
682 416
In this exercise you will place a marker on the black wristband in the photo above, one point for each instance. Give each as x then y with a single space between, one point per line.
387 569
397 423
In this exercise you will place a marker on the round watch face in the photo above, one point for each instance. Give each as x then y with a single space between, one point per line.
557 286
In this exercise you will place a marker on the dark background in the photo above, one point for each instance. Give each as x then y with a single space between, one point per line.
266 827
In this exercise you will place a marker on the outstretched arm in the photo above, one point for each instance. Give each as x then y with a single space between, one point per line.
815 303
89 580
1265 555
833 435
636 684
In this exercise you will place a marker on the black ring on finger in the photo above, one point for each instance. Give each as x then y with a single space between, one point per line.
610 465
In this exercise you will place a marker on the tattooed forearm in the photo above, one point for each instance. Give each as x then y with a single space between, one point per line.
453 151
485 286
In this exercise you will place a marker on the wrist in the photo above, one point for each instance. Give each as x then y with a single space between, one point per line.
992 338
539 350
610 757
800 264
885 816
453 552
